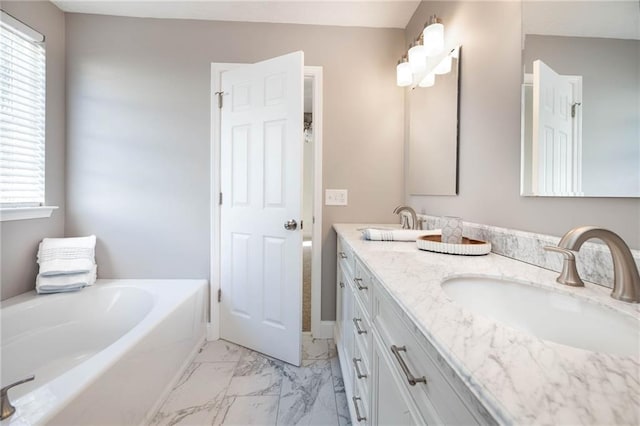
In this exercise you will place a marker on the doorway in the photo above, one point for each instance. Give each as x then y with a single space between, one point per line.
311 218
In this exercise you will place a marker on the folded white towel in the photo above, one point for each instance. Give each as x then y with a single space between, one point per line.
397 234
67 282
58 256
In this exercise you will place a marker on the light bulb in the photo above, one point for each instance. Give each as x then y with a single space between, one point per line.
433 36
404 76
444 66
417 58
428 80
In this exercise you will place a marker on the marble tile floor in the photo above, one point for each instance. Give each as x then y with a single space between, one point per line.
227 384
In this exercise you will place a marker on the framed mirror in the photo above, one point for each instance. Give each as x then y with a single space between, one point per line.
581 99
433 135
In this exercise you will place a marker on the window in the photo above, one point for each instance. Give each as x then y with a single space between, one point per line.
22 115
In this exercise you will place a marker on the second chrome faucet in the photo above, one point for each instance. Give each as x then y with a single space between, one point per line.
403 219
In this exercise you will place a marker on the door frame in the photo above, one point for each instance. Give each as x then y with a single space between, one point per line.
319 328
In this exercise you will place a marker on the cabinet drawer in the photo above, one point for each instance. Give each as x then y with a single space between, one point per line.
363 285
361 327
360 403
361 369
345 255
433 395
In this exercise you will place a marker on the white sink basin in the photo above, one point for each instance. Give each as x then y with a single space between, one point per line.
549 315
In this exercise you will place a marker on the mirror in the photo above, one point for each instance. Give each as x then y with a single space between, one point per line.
433 135
581 99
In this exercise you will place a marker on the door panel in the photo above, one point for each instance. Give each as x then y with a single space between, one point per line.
261 176
552 132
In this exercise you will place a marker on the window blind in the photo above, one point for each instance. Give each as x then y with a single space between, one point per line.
22 117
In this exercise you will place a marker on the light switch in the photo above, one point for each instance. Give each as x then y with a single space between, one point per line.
335 197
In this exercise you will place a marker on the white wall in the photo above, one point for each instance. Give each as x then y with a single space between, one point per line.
20 239
491 73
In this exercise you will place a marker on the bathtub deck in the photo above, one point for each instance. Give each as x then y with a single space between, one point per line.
229 384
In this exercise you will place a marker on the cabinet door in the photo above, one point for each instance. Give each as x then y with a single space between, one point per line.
340 284
347 321
391 405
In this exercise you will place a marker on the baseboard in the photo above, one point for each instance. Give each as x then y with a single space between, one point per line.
213 333
323 330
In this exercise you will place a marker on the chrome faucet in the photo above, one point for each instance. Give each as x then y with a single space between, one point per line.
412 212
626 279
5 404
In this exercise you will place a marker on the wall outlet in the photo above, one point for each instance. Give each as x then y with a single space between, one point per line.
335 197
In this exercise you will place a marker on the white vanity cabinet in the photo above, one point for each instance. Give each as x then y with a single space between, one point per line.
390 377
394 405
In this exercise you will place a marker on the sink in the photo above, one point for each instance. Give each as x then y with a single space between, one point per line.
549 315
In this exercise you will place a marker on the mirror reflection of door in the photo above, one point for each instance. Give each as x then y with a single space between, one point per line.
556 150
600 42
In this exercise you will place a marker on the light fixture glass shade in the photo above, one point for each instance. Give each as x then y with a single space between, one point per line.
444 66
404 76
433 36
417 59
428 80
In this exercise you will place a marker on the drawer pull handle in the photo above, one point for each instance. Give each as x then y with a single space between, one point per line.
358 372
410 378
342 255
359 284
356 323
341 284
359 416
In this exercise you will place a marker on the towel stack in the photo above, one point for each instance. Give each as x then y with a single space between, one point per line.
397 234
66 264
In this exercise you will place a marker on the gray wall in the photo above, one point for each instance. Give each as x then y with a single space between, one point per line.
490 33
139 131
610 70
20 239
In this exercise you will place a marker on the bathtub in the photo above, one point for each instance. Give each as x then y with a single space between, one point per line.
106 355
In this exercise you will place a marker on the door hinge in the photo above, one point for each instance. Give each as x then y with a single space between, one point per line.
220 199
220 94
573 108
219 295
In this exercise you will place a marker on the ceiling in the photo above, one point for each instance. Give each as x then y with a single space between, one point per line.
352 13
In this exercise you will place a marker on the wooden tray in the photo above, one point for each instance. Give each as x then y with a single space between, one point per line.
468 247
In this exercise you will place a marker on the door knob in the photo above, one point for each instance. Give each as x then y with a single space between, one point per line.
290 225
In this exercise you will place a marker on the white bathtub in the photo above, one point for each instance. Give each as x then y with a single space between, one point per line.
105 355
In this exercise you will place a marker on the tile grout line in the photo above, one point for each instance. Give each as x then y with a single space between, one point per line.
226 389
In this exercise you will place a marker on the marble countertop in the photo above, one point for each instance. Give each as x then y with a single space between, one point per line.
518 378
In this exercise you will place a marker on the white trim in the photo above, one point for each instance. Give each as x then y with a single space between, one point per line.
323 329
213 327
20 26
319 328
23 213
211 333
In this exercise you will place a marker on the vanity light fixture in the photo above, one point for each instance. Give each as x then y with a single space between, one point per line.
404 75
428 80
444 66
433 36
417 57
426 57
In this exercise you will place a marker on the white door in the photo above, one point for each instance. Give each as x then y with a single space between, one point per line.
552 148
261 180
